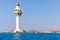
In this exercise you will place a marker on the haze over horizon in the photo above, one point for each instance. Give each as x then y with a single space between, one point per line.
36 15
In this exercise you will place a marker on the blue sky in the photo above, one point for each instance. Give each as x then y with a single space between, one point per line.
37 14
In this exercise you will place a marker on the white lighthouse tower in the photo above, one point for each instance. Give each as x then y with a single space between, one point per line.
17 13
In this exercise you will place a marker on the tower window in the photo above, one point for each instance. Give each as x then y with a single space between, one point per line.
18 13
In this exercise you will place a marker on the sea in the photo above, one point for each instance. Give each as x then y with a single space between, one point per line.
29 36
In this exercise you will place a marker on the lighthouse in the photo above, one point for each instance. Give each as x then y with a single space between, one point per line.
17 13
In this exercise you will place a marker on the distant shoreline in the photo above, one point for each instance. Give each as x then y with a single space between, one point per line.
27 33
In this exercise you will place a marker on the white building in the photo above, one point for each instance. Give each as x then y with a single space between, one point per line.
17 13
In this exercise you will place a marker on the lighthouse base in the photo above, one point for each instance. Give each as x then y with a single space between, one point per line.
17 31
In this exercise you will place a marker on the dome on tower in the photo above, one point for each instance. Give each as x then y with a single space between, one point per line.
17 4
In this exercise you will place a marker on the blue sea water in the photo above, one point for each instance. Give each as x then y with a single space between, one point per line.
27 36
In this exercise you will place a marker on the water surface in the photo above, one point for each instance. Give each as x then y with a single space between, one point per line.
27 36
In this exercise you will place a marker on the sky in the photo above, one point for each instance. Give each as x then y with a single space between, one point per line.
36 15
